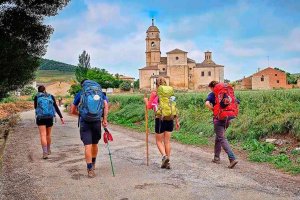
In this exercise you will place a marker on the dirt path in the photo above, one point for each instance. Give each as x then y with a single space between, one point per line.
193 176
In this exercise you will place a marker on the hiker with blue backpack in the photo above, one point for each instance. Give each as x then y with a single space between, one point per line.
224 105
91 103
45 108
162 101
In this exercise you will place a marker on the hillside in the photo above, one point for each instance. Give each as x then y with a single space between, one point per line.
50 76
47 64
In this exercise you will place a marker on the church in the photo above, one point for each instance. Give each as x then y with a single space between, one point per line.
177 68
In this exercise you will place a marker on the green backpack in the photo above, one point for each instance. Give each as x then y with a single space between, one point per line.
167 105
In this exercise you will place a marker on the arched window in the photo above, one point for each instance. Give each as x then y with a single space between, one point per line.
209 73
164 69
202 73
262 78
177 58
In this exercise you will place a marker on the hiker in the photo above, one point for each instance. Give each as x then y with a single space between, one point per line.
45 107
164 123
91 103
221 121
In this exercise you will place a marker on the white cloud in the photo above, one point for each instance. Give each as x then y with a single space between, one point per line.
235 49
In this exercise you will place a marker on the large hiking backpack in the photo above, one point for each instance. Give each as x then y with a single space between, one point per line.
91 101
166 105
226 103
44 108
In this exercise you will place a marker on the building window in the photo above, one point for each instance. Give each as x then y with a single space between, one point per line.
164 69
262 78
191 68
277 81
177 58
209 73
202 73
275 74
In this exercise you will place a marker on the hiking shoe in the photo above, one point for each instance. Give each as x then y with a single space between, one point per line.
45 155
91 173
232 164
216 160
165 161
168 166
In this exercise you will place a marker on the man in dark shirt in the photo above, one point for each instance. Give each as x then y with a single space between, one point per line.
90 133
220 127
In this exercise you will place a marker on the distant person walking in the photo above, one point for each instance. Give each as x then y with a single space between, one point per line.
45 107
91 103
162 101
222 102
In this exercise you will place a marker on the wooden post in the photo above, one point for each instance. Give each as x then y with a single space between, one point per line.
147 131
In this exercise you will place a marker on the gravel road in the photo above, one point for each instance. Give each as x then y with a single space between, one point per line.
63 176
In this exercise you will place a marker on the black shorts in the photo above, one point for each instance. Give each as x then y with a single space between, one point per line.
45 122
90 132
163 125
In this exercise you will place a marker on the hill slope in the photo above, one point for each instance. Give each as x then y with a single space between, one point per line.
47 64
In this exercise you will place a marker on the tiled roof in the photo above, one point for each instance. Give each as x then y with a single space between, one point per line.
176 51
190 60
150 68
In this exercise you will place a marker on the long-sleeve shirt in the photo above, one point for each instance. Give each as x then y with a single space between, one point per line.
54 104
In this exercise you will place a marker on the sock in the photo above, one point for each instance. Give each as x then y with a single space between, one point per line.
45 150
89 166
93 160
48 147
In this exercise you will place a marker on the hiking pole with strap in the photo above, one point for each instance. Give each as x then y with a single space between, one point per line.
108 137
147 133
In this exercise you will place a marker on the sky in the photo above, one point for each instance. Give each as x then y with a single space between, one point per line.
243 35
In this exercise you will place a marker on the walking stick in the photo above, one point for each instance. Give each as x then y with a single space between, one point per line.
147 132
108 137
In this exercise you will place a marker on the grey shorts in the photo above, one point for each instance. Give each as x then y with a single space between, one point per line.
90 132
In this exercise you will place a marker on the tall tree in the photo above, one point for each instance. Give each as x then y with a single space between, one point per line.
23 39
83 66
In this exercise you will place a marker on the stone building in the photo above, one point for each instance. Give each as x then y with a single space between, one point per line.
265 79
180 71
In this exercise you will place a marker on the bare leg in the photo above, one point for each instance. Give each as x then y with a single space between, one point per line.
159 143
167 137
49 129
88 153
43 134
94 150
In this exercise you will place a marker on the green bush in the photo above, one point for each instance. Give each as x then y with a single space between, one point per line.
28 90
125 86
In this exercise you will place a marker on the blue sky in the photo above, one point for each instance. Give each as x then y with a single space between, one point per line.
241 34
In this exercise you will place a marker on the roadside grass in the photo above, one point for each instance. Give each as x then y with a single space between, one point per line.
47 76
262 114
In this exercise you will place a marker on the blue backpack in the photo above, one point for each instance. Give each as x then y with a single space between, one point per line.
91 101
44 108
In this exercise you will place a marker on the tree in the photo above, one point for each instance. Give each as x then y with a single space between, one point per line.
136 84
83 66
23 39
125 86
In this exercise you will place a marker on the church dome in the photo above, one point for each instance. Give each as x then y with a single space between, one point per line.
152 29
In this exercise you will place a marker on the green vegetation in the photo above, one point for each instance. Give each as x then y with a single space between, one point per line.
262 113
46 64
48 76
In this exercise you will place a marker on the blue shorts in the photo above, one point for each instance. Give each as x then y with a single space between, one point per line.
90 132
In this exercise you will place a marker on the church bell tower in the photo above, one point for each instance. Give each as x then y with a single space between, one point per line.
152 45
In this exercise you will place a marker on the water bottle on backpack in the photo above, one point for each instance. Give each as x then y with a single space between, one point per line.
91 101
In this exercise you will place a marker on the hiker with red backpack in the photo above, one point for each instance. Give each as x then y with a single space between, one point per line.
224 105
162 101
91 103
45 107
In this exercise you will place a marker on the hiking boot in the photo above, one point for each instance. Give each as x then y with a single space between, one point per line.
165 161
45 155
91 173
168 166
216 160
232 163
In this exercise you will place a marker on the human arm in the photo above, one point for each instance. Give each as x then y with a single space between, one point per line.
210 101
105 110
35 102
177 123
209 105
57 110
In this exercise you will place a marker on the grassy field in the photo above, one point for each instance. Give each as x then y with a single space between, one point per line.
47 76
262 114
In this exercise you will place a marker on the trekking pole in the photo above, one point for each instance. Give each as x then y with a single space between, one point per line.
147 133
107 137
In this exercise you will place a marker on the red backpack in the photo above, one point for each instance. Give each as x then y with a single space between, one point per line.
226 104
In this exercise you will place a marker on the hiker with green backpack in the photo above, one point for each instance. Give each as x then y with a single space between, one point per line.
45 107
91 103
162 101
